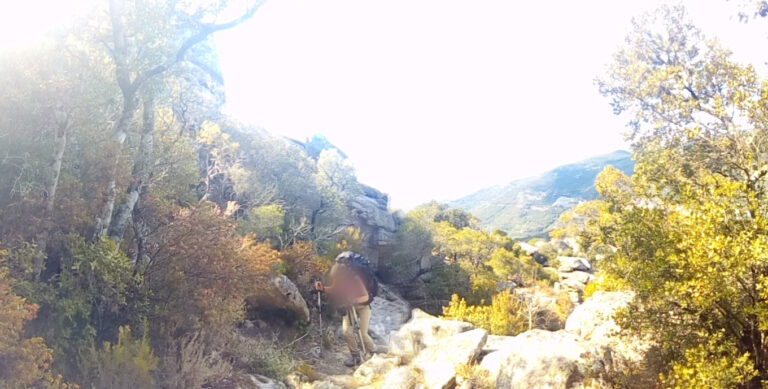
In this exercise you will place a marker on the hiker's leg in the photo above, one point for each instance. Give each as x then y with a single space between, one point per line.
349 334
364 316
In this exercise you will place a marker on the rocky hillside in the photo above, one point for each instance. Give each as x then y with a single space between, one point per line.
430 352
527 207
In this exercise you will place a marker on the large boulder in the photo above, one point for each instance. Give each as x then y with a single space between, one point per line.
537 359
422 331
438 362
578 276
594 323
594 318
497 342
569 264
575 273
281 294
388 312
370 212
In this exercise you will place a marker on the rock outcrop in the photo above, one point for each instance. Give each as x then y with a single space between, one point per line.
427 351
594 324
388 312
438 362
424 352
422 331
281 294
575 273
370 212
537 358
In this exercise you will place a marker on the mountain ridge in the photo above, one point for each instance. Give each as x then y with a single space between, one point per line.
527 207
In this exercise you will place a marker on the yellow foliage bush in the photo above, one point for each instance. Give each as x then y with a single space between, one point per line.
303 264
715 364
501 317
604 282
127 364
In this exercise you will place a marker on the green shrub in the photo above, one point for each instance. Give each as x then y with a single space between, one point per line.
129 363
269 359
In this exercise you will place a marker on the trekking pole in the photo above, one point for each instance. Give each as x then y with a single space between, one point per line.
320 317
359 331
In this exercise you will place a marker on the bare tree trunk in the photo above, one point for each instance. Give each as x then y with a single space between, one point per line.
60 144
141 167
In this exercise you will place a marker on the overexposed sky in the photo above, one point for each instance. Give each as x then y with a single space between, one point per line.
430 99
435 99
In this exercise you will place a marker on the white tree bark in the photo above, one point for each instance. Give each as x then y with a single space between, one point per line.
61 133
141 170
130 88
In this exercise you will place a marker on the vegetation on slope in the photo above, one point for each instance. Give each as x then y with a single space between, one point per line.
134 217
529 207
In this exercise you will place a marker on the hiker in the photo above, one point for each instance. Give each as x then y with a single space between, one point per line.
352 284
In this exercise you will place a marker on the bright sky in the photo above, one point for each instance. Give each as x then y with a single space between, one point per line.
430 99
435 99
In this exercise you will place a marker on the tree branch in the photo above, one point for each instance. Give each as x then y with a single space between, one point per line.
201 35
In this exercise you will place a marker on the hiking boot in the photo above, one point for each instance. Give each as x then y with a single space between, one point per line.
353 360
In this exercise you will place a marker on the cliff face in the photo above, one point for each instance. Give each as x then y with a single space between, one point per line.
370 213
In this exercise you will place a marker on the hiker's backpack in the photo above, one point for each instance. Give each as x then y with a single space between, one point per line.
362 266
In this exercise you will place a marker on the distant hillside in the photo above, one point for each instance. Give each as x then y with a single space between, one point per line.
528 207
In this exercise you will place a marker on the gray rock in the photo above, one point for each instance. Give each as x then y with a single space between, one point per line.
593 322
569 264
573 284
437 362
281 293
422 331
370 212
594 318
537 359
578 276
388 312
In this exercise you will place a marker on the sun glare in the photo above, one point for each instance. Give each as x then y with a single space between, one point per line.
24 22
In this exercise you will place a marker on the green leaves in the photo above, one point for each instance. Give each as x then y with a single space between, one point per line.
688 228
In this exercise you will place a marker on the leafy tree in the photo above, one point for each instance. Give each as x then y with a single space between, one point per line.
689 226
585 222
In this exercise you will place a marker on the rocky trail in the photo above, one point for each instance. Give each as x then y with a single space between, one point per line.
428 352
